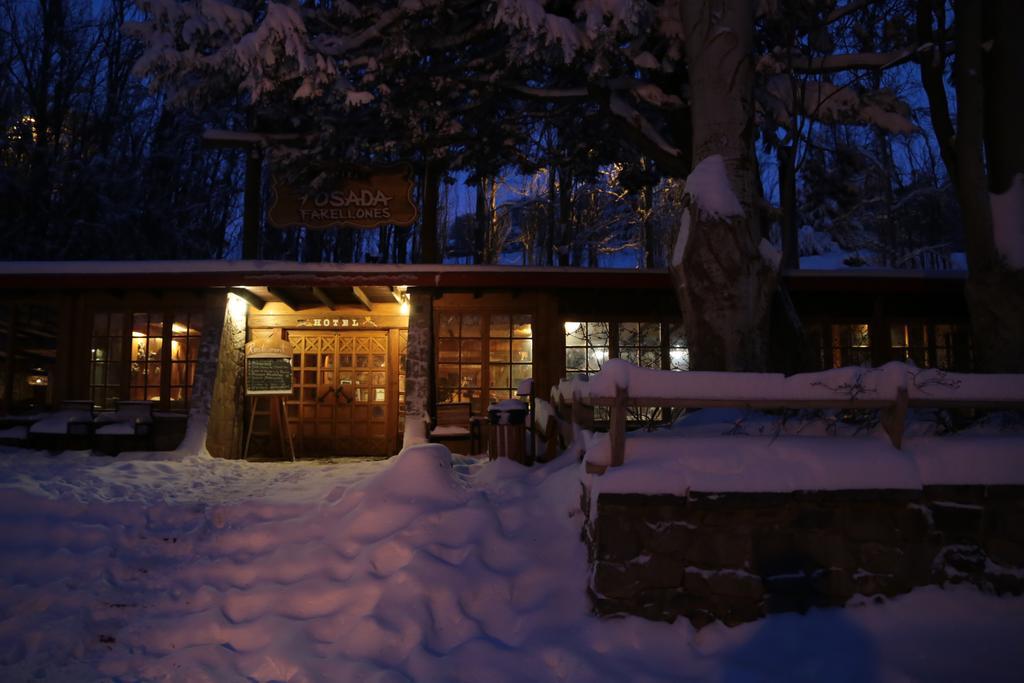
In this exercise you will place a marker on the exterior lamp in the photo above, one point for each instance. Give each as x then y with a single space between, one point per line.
404 307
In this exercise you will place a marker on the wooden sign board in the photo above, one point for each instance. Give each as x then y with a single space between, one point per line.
367 197
268 376
324 321
268 366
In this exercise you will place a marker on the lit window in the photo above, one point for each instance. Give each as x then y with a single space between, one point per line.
678 351
139 356
586 347
185 333
465 373
640 344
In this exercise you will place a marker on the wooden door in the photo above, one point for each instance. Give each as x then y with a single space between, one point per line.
342 403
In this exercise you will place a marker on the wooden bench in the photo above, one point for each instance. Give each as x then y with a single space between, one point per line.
69 428
129 427
455 422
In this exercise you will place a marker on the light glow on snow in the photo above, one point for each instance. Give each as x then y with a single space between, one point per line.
425 567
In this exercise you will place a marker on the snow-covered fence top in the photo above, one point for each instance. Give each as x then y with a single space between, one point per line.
858 385
892 388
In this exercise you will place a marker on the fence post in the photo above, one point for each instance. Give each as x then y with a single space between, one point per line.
617 427
894 417
582 414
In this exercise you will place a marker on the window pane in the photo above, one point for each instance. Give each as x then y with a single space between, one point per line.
677 337
470 376
499 350
522 326
650 334
470 325
576 359
679 359
650 358
448 350
116 348
114 374
500 376
575 334
99 325
522 350
629 334
918 335
500 326
897 336
116 324
471 350
521 372
448 325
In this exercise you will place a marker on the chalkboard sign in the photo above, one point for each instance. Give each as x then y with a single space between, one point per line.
268 376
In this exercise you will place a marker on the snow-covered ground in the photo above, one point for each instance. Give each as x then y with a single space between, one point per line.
423 567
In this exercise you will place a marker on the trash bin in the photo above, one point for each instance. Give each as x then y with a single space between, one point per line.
506 433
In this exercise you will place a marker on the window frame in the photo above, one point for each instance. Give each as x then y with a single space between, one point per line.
666 328
484 389
168 318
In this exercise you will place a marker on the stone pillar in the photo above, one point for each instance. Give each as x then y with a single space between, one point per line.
418 365
224 389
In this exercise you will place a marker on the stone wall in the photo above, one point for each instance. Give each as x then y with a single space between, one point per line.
225 320
737 556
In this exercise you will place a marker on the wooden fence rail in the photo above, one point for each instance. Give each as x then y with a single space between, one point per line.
893 412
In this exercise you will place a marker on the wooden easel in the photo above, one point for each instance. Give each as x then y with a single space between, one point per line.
277 407
268 374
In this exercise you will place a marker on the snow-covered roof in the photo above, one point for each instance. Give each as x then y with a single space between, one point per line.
211 273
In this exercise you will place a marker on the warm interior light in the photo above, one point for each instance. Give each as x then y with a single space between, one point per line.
178 328
404 307
237 307
572 327
136 333
600 355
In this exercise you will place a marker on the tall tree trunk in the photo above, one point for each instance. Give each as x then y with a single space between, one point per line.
723 283
988 98
549 241
428 226
787 202
995 287
564 215
480 233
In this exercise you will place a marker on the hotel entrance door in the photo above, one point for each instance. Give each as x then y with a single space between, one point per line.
343 402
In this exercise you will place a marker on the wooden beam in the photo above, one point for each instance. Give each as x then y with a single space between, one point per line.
285 298
363 299
397 293
242 293
324 298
